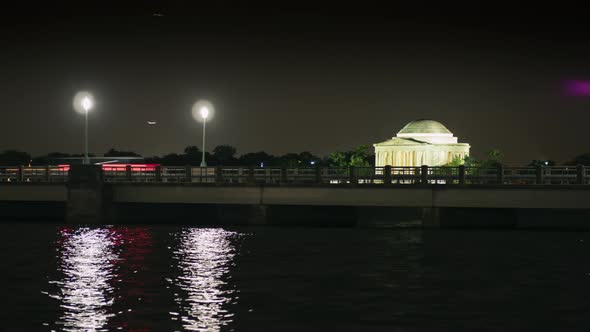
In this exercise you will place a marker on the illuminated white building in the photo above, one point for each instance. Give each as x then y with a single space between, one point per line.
420 142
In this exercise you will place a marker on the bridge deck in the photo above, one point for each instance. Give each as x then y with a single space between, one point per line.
471 196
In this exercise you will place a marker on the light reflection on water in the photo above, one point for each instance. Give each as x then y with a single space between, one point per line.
87 260
204 257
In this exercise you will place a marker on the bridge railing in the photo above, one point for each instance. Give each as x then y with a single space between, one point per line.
9 174
441 175
334 175
233 175
555 175
517 175
405 175
33 174
559 175
300 175
368 175
478 175
115 174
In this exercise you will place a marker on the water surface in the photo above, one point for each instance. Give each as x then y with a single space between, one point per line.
175 278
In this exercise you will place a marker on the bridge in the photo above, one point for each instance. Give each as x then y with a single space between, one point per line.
366 194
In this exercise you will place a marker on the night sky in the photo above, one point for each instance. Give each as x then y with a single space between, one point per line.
294 79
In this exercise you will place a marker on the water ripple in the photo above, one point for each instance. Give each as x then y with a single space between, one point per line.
204 257
87 262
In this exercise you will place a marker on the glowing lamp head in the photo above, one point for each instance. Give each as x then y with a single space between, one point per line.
204 111
86 104
83 102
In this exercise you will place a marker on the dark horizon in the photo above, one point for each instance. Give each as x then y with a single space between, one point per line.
317 79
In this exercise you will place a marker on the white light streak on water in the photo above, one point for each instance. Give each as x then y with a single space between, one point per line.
204 257
87 261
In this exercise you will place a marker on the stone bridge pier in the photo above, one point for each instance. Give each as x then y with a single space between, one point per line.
89 198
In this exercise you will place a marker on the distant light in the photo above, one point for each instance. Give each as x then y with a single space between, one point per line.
546 163
577 88
312 162
83 102
86 104
261 164
204 112
151 123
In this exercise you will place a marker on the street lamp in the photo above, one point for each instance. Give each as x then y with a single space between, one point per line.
83 103
203 111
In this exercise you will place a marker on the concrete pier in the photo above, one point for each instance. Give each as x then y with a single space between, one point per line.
88 197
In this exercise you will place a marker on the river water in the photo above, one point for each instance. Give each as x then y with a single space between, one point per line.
175 278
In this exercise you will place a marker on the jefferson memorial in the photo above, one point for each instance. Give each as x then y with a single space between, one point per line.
420 142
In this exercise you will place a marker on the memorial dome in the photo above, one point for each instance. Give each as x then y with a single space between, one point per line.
421 142
424 126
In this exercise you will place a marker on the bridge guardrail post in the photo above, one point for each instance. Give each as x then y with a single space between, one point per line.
218 174
318 174
158 174
128 173
251 178
461 174
387 174
283 174
100 174
20 174
47 173
580 170
424 174
351 175
539 174
500 174
188 173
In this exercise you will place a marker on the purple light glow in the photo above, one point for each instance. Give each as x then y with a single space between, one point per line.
577 88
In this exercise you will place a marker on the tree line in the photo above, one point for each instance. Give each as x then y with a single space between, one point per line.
225 155
494 158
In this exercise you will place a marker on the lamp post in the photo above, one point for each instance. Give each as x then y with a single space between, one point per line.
204 112
83 103
86 105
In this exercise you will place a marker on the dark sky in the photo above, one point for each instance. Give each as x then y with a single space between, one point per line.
291 79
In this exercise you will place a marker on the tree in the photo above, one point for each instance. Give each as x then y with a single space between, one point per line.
289 160
456 161
495 157
52 158
255 158
469 161
583 159
192 155
359 156
114 153
535 163
338 159
192 151
14 158
224 154
171 159
305 159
